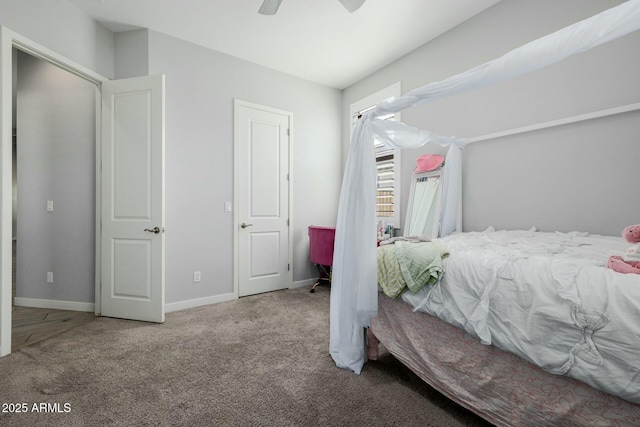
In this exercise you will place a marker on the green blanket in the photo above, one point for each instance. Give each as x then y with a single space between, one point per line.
409 265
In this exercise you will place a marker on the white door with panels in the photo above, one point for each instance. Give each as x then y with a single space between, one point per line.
132 217
262 191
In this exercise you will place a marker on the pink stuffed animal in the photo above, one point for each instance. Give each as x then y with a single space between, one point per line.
630 261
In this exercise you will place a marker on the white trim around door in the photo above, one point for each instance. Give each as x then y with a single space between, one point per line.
8 40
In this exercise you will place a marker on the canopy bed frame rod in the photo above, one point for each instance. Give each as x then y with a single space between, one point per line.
559 122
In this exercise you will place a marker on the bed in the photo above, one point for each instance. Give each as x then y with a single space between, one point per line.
594 336
523 327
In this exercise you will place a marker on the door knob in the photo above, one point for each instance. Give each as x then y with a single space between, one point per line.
155 230
245 225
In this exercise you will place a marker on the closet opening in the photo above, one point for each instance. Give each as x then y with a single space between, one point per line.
54 200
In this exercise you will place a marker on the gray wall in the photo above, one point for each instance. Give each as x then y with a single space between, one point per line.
200 88
566 178
548 178
61 27
131 53
55 161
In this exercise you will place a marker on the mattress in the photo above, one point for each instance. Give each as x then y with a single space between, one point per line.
546 297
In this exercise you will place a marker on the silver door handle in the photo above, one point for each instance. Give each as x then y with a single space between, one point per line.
245 225
155 230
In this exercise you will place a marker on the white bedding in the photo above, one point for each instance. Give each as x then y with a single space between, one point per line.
547 297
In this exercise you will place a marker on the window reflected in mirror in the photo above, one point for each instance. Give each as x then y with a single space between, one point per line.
423 210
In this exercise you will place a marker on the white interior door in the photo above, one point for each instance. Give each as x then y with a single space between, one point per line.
262 139
132 179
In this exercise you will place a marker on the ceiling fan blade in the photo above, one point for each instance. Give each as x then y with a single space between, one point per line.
269 7
352 5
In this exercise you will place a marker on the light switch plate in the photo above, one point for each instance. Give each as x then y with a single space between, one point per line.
49 205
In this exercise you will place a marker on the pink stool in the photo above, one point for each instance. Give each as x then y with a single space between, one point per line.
321 251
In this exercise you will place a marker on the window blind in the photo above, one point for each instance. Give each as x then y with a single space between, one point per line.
385 173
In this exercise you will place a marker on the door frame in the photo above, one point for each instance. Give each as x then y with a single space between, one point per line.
237 103
8 40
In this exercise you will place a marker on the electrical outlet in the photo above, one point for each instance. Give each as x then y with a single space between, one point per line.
196 277
49 276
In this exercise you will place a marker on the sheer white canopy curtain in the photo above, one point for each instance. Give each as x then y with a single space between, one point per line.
354 293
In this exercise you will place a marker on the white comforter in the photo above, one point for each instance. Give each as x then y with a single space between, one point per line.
547 297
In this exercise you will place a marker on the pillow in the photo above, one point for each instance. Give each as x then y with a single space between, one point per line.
428 162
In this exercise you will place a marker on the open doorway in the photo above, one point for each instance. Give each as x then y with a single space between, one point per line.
54 174
129 280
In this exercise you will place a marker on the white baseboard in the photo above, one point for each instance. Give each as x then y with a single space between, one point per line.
183 305
54 304
303 283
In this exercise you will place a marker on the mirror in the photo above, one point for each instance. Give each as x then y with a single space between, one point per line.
425 200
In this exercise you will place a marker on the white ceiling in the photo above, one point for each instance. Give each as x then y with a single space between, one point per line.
317 40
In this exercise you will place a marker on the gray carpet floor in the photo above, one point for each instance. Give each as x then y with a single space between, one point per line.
257 361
